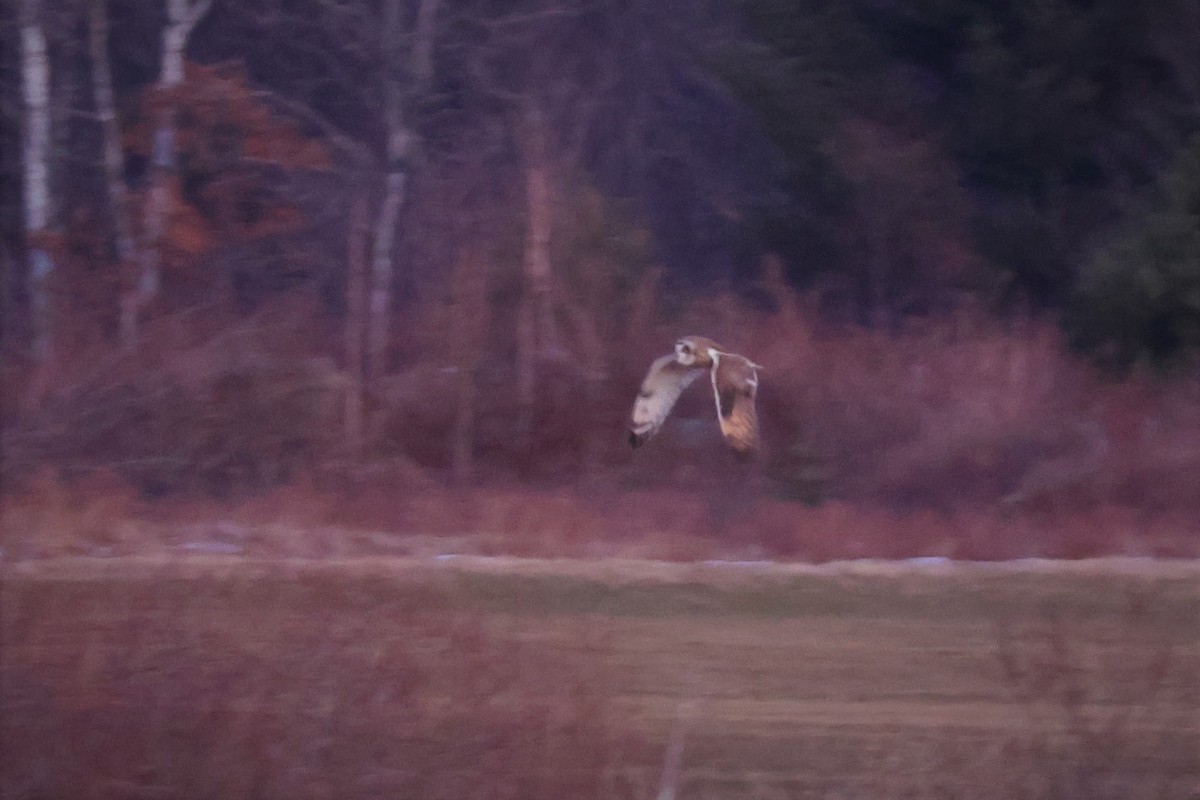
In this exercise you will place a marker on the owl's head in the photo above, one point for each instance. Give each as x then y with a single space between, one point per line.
695 351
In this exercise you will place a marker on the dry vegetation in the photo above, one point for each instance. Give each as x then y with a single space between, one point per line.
239 689
183 679
964 436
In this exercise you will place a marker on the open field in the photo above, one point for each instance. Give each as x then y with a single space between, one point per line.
525 678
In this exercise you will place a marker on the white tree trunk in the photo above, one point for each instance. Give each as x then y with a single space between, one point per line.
35 83
114 158
182 16
381 270
355 327
399 150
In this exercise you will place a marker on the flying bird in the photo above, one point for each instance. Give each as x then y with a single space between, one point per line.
734 381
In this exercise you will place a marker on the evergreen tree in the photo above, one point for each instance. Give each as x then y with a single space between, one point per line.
1140 294
1053 113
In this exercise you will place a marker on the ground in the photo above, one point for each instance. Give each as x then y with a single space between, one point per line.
503 677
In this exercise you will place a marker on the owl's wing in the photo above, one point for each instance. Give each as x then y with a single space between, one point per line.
735 383
661 387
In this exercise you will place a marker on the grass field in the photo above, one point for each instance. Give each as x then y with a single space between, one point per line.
513 678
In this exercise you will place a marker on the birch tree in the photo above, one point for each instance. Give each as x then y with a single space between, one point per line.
35 84
356 269
406 76
113 157
182 16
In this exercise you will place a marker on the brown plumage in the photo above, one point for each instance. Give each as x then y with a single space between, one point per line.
734 381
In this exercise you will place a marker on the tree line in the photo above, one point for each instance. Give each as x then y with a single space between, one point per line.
897 159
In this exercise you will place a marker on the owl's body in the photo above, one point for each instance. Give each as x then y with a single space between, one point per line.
734 381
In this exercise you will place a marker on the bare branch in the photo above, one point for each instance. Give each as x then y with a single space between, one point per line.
353 148
422 53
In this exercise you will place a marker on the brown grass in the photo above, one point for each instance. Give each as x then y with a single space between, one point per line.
297 690
1094 710
103 517
327 681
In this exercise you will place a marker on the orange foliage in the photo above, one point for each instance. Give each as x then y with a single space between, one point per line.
188 233
227 140
222 118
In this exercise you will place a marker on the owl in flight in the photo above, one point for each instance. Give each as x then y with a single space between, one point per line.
734 381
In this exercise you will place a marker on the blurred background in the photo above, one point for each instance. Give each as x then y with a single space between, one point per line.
290 285
330 276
